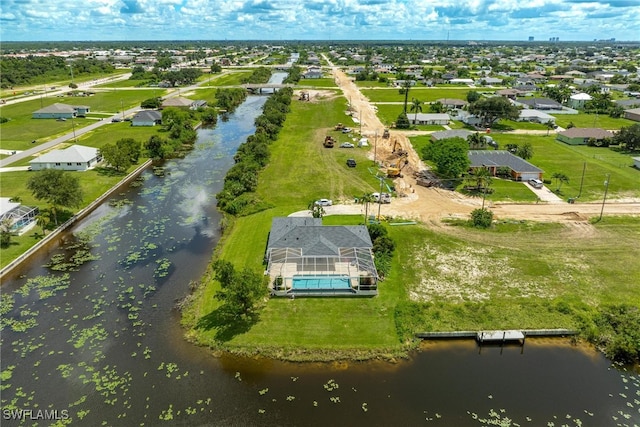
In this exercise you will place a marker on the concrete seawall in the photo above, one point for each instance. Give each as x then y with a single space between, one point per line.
71 221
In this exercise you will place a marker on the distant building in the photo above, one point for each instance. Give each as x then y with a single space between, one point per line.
531 38
61 111
147 118
581 136
73 158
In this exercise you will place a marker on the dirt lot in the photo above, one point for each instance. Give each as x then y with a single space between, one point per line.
429 204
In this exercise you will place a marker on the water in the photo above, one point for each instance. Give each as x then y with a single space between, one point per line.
104 342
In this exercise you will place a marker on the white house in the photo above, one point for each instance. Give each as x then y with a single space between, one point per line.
579 99
429 118
73 158
636 162
527 115
147 118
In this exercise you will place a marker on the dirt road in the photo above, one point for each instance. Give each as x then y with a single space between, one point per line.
429 204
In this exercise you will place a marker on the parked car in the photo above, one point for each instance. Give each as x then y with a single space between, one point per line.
536 183
346 145
324 202
346 130
351 163
116 120
381 198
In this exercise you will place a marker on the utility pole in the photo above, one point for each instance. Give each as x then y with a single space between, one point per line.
380 196
584 168
375 148
604 199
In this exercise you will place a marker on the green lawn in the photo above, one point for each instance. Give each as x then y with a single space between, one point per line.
21 129
230 78
516 275
554 156
583 120
94 183
424 94
317 83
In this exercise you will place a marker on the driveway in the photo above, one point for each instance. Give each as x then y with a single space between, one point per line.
544 194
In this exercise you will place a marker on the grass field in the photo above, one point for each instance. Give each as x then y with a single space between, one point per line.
516 275
317 83
424 94
583 120
21 129
554 156
94 183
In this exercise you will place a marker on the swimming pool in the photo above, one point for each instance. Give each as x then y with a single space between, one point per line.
312 283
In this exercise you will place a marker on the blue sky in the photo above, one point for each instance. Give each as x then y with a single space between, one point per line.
319 19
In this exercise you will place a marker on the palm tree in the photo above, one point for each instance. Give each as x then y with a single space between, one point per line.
42 220
416 105
366 199
476 141
560 178
406 85
550 125
316 210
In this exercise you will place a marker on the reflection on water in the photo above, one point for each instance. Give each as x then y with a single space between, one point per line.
104 342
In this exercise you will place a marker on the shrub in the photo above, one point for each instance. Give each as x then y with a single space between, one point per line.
481 218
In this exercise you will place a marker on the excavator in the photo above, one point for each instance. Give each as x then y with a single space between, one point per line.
397 149
395 170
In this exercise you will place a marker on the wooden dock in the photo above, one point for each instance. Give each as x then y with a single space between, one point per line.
498 336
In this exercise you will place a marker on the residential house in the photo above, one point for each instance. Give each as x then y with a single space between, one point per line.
305 258
453 103
581 136
488 81
520 169
147 118
508 93
177 101
429 118
636 162
579 100
198 103
73 158
21 217
632 114
312 75
453 133
539 103
61 111
535 116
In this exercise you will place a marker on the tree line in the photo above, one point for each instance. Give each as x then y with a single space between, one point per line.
237 196
16 71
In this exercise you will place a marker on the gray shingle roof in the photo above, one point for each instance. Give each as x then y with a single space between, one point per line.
315 239
147 116
454 133
498 158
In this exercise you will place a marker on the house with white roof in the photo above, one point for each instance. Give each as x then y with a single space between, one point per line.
73 158
579 99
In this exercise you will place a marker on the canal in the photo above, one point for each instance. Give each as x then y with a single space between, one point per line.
97 339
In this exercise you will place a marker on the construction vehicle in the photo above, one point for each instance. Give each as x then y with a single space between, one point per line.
329 141
397 149
395 170
339 126
386 134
